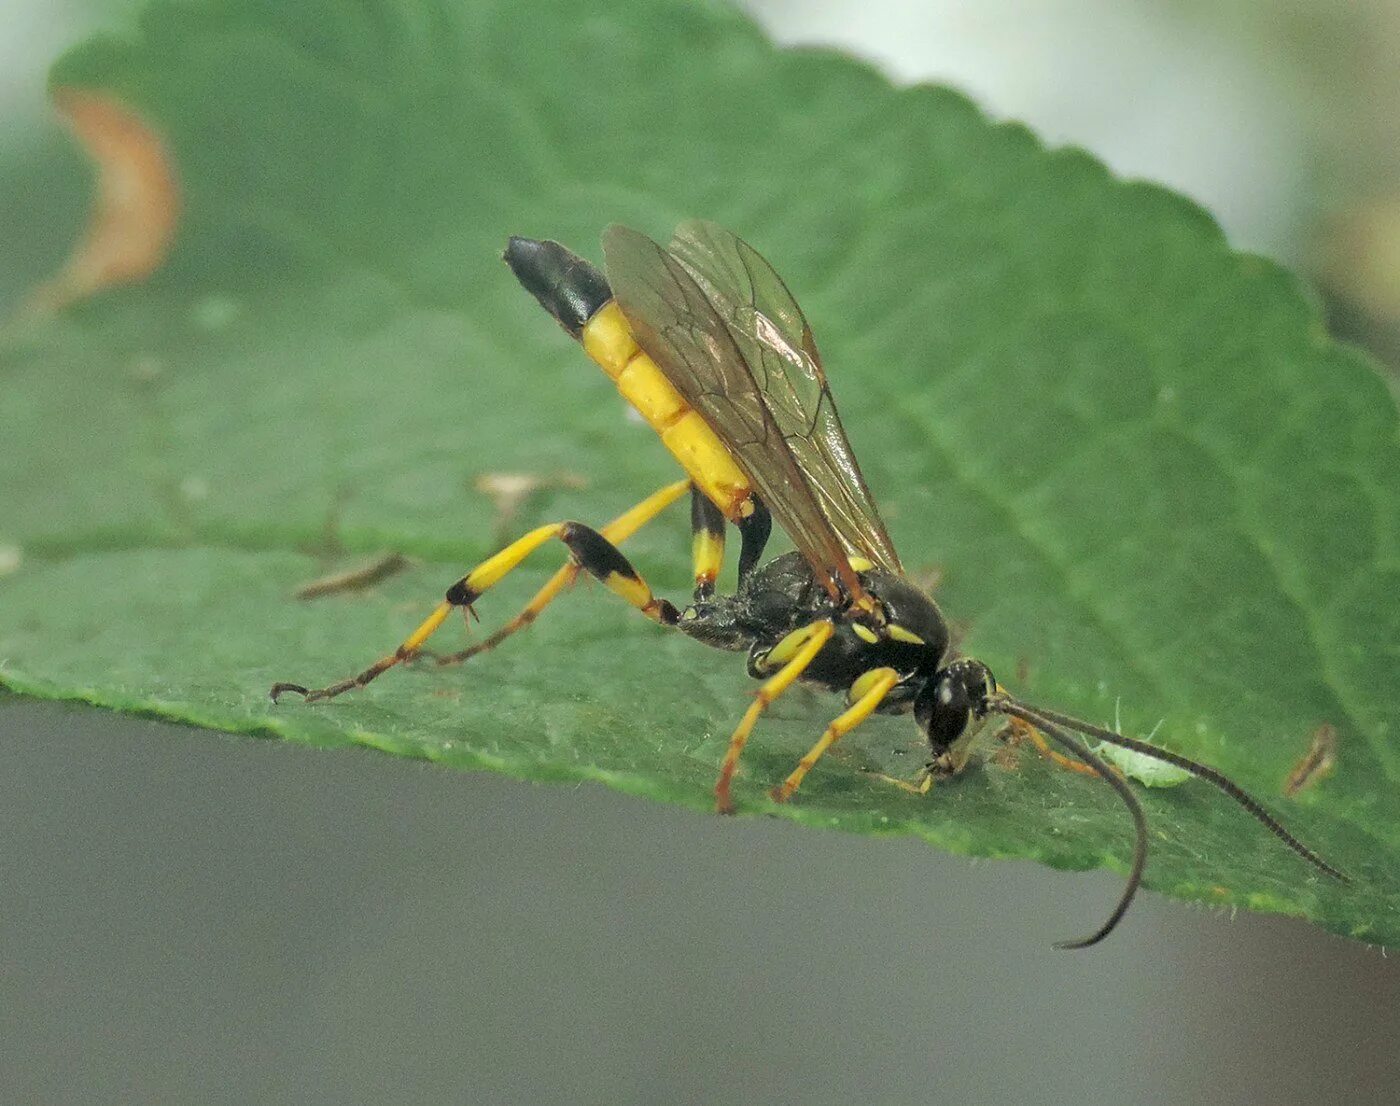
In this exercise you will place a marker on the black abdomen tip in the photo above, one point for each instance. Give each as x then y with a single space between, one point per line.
565 285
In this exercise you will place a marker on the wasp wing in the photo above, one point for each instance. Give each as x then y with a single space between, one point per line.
771 332
678 327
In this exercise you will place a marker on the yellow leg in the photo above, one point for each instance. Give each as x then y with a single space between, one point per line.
591 550
1020 728
871 689
707 543
411 645
922 787
798 649
617 531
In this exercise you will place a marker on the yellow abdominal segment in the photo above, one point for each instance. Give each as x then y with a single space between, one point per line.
608 340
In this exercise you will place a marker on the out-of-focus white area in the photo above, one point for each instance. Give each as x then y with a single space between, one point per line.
32 34
1154 91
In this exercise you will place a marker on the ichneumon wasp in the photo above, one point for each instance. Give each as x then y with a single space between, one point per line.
704 339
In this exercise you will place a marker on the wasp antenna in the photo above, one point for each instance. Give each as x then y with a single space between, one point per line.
1080 751
1040 715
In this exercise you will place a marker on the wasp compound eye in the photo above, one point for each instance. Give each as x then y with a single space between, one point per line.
980 685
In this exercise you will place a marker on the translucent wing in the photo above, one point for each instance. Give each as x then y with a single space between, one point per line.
771 332
676 324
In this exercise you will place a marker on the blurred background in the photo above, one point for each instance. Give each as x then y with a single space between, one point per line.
197 918
1282 117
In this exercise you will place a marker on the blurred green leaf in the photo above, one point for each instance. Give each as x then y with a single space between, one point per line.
1147 476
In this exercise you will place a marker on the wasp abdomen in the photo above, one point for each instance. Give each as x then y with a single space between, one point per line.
580 298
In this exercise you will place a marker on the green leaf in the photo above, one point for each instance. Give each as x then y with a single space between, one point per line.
1145 473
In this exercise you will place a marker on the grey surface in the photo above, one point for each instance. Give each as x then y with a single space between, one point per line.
189 917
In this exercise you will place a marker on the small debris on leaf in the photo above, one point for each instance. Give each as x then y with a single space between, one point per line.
354 579
1317 762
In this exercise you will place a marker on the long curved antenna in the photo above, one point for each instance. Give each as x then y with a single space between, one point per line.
1202 771
1079 750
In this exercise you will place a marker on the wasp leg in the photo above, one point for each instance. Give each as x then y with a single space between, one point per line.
1021 729
617 531
410 646
922 786
754 530
795 652
707 525
869 690
707 543
591 551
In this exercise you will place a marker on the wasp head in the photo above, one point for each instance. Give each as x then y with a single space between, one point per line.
952 708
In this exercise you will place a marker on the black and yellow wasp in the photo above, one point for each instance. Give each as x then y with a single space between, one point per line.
704 339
